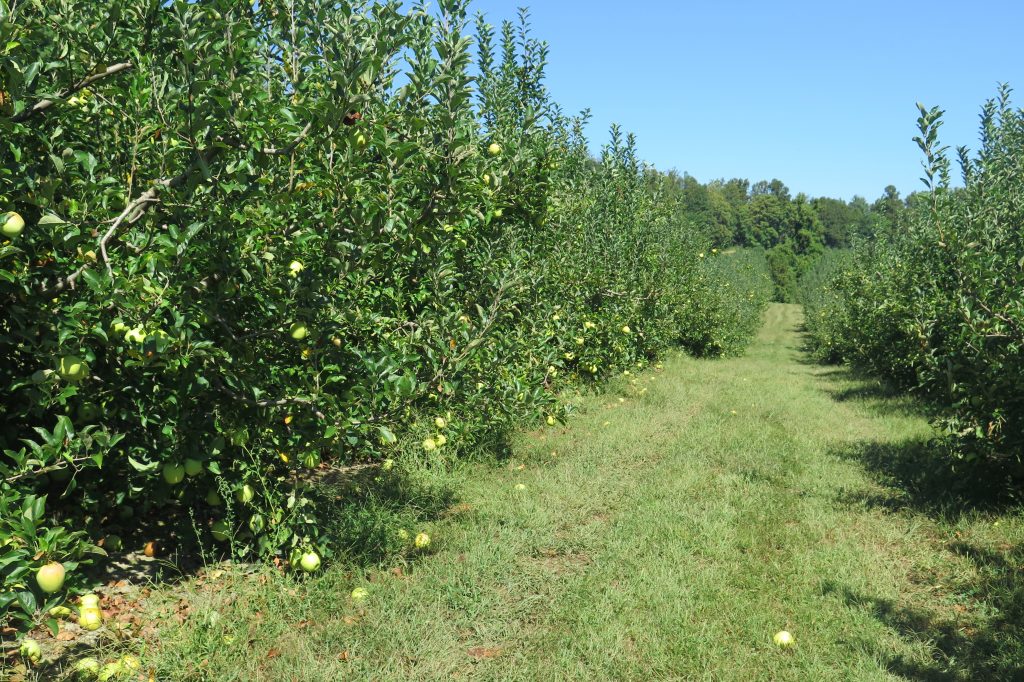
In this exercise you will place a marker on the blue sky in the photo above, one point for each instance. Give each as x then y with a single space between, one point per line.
818 94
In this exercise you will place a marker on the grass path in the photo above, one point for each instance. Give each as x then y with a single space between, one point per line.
664 536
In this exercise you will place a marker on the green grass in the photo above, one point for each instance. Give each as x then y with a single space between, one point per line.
670 536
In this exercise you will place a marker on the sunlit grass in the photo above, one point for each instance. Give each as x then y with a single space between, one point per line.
666 535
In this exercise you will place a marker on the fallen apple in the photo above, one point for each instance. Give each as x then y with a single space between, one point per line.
783 639
30 650
90 618
86 668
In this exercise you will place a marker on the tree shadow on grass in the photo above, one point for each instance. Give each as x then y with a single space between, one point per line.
851 386
924 476
977 634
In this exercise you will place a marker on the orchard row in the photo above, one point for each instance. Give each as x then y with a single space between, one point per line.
934 304
246 245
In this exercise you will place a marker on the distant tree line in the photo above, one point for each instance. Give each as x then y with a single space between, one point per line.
793 231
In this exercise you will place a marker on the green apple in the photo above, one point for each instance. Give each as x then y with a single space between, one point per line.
174 473
257 524
298 331
114 543
130 664
360 594
89 601
136 335
12 225
73 368
50 578
193 467
245 494
90 618
60 612
86 669
422 541
213 499
494 149
30 650
310 561
220 530
783 639
295 267
111 671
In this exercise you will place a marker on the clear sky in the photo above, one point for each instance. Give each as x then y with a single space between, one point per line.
820 94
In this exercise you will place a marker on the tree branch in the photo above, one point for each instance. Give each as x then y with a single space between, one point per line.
131 214
45 104
284 151
252 402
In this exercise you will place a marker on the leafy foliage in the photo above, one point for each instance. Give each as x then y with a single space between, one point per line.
934 302
265 240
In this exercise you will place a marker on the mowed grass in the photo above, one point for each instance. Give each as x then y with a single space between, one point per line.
664 534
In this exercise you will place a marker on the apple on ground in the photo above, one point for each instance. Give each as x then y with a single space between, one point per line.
86 668
90 618
783 639
30 650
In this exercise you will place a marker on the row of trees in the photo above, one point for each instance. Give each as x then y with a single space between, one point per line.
794 231
247 242
933 302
